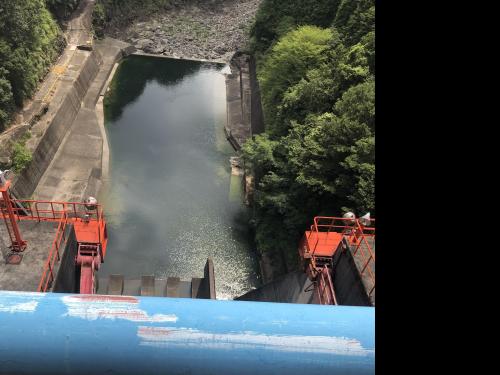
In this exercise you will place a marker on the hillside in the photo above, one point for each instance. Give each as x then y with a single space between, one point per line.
316 68
30 41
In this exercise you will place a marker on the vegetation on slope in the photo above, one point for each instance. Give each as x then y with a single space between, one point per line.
317 75
21 156
30 40
277 17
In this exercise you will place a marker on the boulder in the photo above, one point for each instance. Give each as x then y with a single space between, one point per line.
154 48
143 43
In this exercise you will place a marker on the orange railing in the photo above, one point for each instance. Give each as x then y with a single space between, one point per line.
356 235
27 209
325 290
327 224
358 240
61 212
350 227
54 256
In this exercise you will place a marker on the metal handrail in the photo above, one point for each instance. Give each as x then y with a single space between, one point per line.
54 213
349 226
355 233
325 284
359 239
45 280
61 212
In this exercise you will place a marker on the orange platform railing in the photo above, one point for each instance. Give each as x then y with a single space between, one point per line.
60 212
54 256
325 290
357 233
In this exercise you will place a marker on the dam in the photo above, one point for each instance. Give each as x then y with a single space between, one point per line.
171 201
160 274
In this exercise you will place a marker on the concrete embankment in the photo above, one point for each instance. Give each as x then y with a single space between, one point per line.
49 132
69 142
76 169
244 119
65 119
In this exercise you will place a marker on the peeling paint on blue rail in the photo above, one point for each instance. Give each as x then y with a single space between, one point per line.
92 334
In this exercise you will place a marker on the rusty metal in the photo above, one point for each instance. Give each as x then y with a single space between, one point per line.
89 259
14 258
325 290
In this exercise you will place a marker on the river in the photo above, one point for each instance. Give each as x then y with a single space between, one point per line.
169 203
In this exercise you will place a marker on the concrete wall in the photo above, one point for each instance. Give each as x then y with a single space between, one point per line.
207 286
348 286
257 115
25 183
67 279
293 287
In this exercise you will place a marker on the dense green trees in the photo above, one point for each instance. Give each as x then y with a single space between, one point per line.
6 98
275 18
30 40
318 93
292 57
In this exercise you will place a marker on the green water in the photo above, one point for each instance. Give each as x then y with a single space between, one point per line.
170 203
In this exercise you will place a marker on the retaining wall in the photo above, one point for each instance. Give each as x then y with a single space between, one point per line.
207 285
24 184
293 287
348 286
67 279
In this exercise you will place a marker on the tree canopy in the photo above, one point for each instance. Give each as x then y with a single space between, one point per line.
30 40
317 79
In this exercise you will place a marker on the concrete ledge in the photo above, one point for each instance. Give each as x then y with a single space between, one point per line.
244 109
140 53
208 282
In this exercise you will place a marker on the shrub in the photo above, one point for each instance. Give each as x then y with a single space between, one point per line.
21 156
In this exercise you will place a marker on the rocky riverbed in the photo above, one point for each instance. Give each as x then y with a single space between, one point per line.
211 30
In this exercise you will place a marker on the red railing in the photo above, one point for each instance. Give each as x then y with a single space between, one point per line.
356 235
53 211
328 224
358 240
54 256
325 290
61 212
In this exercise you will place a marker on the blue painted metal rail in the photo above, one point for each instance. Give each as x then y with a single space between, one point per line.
92 334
